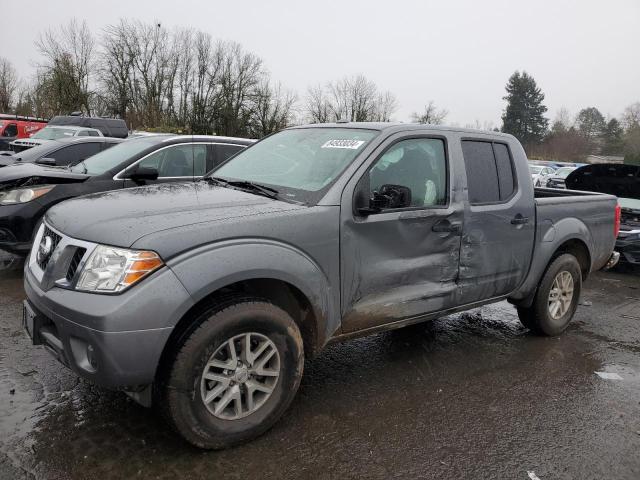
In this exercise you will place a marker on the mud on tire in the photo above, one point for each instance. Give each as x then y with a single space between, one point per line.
197 365
539 317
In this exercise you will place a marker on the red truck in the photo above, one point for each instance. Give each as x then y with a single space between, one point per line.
16 126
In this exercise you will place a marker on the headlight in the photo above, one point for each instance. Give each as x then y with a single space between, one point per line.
23 195
112 270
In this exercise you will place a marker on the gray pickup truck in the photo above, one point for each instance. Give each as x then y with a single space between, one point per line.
205 298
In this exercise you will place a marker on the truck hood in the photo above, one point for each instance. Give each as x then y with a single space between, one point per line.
34 174
121 217
620 180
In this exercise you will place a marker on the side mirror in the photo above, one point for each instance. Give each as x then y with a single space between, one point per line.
47 161
389 196
141 174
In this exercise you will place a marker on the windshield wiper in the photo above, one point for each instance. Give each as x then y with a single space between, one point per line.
216 181
254 187
244 185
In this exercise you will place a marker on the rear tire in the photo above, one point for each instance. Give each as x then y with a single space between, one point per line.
204 370
557 298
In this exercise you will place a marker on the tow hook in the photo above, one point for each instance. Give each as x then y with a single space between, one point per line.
613 261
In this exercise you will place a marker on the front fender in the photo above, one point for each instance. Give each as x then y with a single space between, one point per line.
209 268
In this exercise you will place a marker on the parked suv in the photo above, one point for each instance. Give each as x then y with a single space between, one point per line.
206 297
27 191
53 133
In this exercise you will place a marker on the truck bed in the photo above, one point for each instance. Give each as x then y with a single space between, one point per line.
560 215
589 212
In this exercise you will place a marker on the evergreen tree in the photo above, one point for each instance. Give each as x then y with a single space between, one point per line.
612 136
524 115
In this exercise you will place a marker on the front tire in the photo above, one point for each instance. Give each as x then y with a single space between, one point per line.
234 376
557 298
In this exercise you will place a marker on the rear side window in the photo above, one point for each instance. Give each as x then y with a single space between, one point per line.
225 152
489 171
75 153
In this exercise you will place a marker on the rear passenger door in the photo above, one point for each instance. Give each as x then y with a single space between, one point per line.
498 232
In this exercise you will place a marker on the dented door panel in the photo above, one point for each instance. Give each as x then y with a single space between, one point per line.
401 264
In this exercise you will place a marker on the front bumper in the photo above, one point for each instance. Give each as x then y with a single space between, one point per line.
112 340
628 244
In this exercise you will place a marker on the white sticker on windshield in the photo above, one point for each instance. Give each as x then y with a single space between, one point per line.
350 144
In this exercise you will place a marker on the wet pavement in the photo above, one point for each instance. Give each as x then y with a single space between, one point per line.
471 395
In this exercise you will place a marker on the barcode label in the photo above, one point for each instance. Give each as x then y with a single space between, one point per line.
350 144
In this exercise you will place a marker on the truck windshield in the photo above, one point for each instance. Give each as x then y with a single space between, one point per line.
53 133
109 159
300 162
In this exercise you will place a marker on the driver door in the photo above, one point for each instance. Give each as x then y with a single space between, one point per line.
401 263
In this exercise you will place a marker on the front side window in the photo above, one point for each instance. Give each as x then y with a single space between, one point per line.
300 162
417 163
185 160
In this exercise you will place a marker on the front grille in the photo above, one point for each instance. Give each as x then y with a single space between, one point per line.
75 262
43 260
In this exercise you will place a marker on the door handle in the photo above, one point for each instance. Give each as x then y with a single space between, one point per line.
519 220
444 226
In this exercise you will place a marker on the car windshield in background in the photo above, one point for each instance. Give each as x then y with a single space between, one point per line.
564 172
53 133
630 203
535 169
33 154
108 159
302 161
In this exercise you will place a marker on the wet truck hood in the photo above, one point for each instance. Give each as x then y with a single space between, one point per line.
121 217
34 174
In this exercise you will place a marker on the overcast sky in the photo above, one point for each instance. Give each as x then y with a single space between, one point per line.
458 53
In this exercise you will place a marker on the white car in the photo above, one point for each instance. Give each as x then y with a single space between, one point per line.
540 174
51 132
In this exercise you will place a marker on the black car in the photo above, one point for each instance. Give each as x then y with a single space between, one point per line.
63 152
28 190
622 181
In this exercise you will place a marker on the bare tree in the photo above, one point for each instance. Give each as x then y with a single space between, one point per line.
8 85
631 116
317 105
116 69
241 75
431 114
273 110
354 99
68 62
386 106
